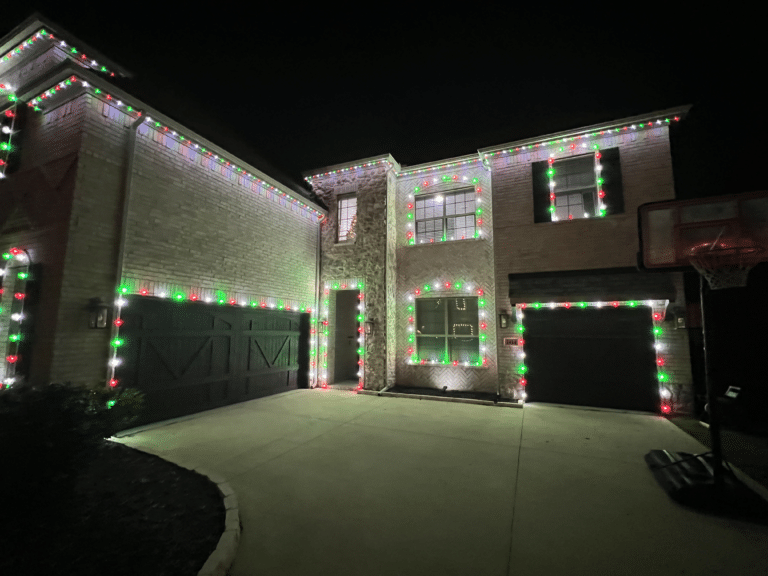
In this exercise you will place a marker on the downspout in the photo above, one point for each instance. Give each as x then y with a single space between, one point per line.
316 371
130 154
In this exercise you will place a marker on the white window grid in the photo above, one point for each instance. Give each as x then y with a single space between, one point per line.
444 217
575 188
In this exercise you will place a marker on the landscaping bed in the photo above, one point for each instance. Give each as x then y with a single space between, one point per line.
130 513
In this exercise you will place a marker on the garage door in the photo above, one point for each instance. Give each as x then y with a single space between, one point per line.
591 357
189 357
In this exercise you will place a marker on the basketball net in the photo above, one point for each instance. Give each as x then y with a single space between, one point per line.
725 263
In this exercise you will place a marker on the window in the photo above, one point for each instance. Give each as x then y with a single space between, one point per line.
585 186
447 330
347 217
441 217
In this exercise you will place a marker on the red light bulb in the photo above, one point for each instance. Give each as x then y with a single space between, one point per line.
19 296
615 304
113 382
523 382
143 291
12 359
119 322
660 361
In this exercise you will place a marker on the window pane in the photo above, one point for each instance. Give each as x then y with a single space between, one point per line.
462 317
430 316
431 349
461 227
347 218
429 230
464 349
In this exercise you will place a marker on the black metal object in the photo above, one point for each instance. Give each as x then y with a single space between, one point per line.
689 479
190 357
700 480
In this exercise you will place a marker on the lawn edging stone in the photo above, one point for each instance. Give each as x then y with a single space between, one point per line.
221 558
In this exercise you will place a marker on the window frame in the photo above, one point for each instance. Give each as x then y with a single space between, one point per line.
446 333
444 218
594 189
341 198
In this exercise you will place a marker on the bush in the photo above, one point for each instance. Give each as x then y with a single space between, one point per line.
48 433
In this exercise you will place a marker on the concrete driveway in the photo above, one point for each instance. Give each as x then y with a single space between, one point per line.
332 482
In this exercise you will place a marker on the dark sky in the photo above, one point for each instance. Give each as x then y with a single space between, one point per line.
308 88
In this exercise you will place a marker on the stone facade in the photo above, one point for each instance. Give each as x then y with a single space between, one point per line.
346 265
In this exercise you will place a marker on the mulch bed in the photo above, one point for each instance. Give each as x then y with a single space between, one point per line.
447 393
131 513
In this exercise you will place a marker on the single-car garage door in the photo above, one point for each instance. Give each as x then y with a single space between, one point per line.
591 357
189 357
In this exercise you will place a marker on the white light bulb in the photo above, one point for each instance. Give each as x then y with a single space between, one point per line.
163 294
6 129
17 316
658 346
586 215
93 63
552 304
633 127
599 167
115 362
62 43
666 394
523 395
10 381
242 303
599 304
554 218
121 302
522 355
86 85
119 102
207 299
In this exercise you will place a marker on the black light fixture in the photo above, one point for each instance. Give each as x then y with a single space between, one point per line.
98 313
369 326
503 319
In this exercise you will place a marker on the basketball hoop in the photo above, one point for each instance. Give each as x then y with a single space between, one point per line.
726 262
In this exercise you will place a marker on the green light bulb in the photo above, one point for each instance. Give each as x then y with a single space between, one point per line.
537 305
22 275
117 342
14 337
551 209
123 289
7 255
657 331
179 296
426 288
663 377
520 328
632 303
480 303
361 351
522 369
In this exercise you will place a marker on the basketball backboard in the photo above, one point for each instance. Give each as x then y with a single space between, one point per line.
733 227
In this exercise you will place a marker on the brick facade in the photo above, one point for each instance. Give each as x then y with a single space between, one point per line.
182 220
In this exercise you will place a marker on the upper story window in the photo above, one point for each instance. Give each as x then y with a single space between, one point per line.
585 186
441 217
347 217
447 329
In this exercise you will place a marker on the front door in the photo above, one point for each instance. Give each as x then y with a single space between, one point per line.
346 335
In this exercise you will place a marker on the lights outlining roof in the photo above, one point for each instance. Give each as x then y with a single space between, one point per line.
38 101
72 52
363 164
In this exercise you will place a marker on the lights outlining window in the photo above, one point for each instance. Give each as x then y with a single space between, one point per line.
347 218
441 217
447 330
574 187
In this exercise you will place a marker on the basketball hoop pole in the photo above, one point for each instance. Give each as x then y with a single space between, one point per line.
714 411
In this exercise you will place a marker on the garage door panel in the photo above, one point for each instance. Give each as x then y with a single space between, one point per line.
592 357
188 357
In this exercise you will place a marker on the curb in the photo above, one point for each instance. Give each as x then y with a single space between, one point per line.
441 399
221 558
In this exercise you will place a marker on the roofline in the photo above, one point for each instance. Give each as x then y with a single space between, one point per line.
440 164
71 69
36 21
327 171
679 111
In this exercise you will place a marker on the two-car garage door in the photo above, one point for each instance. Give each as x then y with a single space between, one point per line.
591 357
189 357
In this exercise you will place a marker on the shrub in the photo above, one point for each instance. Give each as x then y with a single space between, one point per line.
48 433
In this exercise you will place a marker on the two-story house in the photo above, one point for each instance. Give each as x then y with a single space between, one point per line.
141 253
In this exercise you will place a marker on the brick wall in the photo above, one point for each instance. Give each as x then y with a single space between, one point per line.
469 262
35 214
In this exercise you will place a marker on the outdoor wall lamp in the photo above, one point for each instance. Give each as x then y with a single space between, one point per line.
503 319
369 326
98 313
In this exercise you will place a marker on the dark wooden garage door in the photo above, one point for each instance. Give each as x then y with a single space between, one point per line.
591 357
189 357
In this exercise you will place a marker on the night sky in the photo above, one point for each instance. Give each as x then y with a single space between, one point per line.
293 89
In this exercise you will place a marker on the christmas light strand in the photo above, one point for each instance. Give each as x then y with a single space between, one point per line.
319 342
573 140
72 52
16 318
551 170
457 289
421 188
39 101
437 167
174 292
658 314
347 169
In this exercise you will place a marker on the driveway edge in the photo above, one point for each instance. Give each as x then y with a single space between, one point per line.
440 398
221 558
